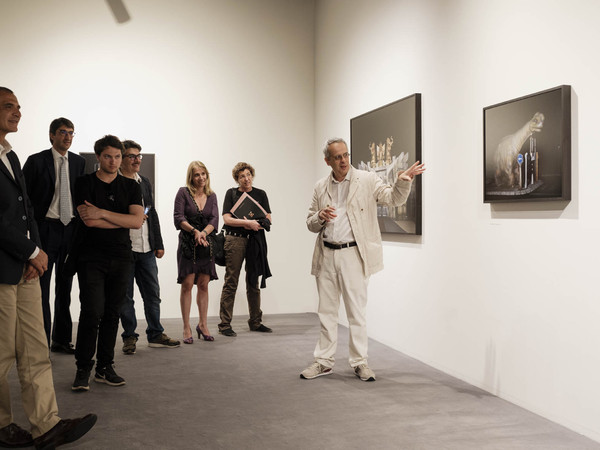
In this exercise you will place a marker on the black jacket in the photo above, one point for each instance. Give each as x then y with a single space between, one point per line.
154 236
16 219
40 177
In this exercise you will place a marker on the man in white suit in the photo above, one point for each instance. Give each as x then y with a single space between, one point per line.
348 251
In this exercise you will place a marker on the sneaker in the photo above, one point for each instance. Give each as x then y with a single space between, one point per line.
363 372
262 328
82 380
108 376
129 345
315 370
163 341
228 332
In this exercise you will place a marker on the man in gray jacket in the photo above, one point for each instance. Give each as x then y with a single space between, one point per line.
348 251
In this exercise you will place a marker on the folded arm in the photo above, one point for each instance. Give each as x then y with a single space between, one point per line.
95 217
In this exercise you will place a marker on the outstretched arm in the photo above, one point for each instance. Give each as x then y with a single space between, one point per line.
412 171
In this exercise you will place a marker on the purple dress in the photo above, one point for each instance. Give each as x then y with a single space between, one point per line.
185 207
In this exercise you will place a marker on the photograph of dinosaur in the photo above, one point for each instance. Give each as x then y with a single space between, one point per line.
527 148
385 141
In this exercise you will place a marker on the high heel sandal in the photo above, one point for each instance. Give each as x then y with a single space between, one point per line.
189 340
206 337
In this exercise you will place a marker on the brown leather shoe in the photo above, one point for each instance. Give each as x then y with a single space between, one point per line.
13 436
65 431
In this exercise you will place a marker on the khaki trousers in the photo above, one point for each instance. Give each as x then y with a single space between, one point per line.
342 275
23 340
235 253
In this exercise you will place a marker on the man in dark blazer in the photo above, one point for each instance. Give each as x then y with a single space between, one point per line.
22 261
43 177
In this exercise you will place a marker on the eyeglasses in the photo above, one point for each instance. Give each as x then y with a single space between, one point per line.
133 157
65 132
342 156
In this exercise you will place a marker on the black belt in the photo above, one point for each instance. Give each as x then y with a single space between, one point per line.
233 233
339 246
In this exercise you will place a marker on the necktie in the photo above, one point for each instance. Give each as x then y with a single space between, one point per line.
65 213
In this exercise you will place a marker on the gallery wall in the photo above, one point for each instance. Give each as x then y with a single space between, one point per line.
217 81
504 295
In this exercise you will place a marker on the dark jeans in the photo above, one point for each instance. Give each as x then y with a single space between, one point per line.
145 272
235 253
55 239
102 288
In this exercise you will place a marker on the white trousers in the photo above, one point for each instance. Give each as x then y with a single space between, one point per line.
342 275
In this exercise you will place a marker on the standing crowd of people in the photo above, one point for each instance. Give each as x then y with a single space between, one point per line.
104 227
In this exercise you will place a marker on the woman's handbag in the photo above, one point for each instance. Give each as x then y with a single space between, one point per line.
217 246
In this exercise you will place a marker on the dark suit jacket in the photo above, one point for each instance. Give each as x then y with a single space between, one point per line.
16 218
154 236
40 177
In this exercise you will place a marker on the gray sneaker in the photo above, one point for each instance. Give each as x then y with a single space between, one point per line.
315 370
363 372
129 345
163 341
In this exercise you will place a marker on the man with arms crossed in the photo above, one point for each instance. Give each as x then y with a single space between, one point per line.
50 176
147 245
109 206
348 251
21 322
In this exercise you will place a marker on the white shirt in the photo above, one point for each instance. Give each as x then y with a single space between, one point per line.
54 209
339 231
140 243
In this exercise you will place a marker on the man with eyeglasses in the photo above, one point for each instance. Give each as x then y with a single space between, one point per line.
147 245
50 176
348 251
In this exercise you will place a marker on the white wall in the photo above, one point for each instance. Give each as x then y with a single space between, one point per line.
502 296
219 81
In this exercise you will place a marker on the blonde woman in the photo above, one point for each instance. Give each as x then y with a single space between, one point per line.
196 212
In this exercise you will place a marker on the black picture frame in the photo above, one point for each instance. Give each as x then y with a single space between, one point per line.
386 140
527 148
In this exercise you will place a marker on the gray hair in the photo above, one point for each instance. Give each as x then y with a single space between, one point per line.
332 141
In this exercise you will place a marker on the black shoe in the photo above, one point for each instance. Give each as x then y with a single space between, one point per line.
228 332
62 348
13 436
82 380
107 375
65 431
262 329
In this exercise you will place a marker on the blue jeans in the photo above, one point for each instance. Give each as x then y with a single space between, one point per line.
145 272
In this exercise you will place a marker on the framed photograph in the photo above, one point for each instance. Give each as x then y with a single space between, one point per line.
146 169
527 148
385 141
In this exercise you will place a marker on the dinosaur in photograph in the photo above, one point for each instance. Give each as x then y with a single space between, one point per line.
507 170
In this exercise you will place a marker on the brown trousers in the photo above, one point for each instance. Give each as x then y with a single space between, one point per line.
235 253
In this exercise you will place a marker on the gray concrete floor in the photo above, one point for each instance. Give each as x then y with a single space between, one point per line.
245 393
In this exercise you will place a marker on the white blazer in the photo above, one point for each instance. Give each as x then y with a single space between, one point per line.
366 190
